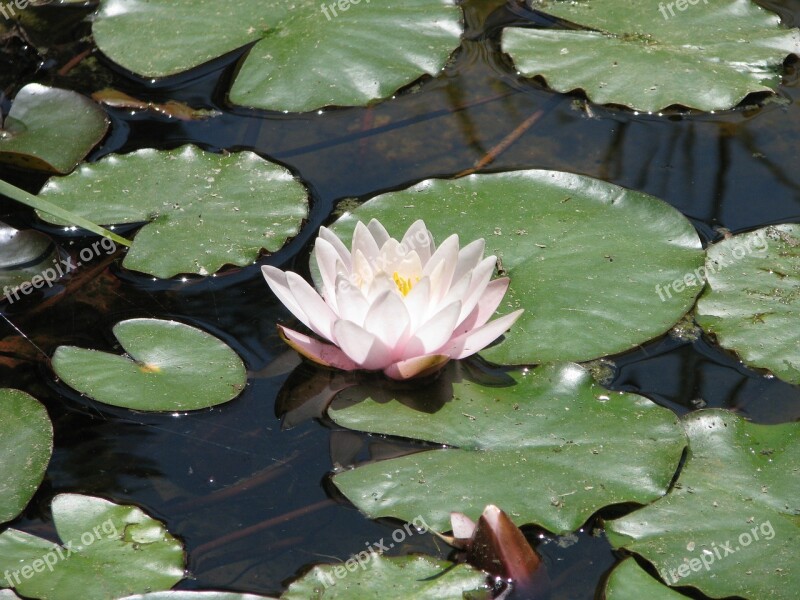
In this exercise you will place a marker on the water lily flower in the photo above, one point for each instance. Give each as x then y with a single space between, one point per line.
402 307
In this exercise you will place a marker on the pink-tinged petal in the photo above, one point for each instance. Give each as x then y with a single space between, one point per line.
320 315
417 303
276 279
330 237
387 319
487 303
463 526
419 366
319 352
378 231
446 255
476 340
418 239
361 346
352 304
457 292
481 276
361 270
468 258
363 241
330 264
434 333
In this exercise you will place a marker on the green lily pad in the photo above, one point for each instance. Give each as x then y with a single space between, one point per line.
552 449
752 302
628 581
25 255
181 595
50 129
382 578
307 54
26 443
109 550
731 524
651 55
203 210
172 367
588 260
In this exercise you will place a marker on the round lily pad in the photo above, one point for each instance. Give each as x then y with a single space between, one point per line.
169 366
50 129
651 55
551 449
729 526
752 302
590 262
376 577
23 256
26 444
307 54
202 210
107 551
628 581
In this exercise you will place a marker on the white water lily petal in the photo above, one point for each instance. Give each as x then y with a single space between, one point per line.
276 279
361 270
477 339
351 302
330 237
418 239
378 231
446 255
432 335
481 276
361 346
388 320
363 241
417 303
487 304
329 263
469 257
320 316
326 355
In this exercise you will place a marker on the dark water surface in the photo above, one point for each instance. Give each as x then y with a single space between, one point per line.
736 170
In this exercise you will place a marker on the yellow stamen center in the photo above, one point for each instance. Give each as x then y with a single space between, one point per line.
403 284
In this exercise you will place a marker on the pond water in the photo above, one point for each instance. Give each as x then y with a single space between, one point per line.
252 501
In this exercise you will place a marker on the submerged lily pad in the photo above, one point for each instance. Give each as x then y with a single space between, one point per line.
551 449
729 526
752 302
203 210
307 54
50 129
172 367
628 581
26 443
108 550
378 577
651 55
23 256
588 260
